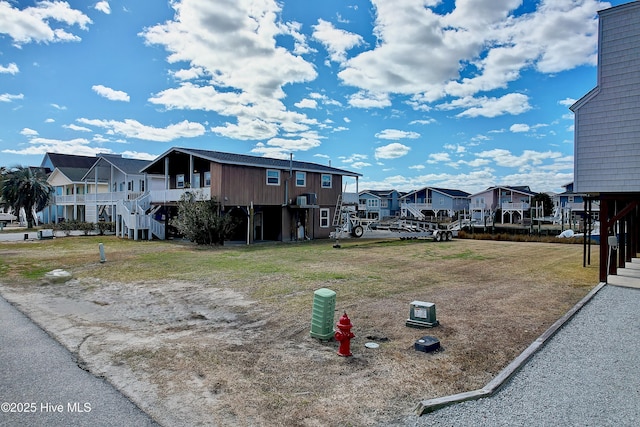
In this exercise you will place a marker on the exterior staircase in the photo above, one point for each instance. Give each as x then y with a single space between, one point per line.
412 209
629 276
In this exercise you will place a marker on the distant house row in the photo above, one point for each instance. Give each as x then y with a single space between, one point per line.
271 199
499 204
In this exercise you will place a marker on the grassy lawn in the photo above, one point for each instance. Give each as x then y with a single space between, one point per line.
232 323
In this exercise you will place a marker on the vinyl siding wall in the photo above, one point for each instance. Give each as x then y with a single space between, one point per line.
241 185
607 123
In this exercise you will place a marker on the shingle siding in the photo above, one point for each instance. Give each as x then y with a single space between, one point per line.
607 126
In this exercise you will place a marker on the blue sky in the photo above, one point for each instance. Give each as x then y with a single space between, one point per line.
409 93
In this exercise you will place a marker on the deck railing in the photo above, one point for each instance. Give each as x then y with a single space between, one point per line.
157 229
510 206
174 195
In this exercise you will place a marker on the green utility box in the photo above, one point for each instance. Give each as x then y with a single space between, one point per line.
324 306
422 315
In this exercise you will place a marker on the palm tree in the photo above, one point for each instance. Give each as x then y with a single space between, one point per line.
24 187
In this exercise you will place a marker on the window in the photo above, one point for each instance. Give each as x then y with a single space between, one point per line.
207 179
129 185
180 181
196 180
273 177
326 180
324 218
373 203
384 203
142 185
301 179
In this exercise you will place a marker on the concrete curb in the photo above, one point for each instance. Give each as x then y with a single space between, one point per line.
430 405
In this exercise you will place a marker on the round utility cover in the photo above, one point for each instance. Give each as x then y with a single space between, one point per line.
372 345
427 344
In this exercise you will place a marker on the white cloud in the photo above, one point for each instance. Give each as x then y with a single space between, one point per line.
482 38
354 158
273 152
539 180
110 94
28 132
457 148
439 158
471 182
519 127
475 163
336 41
12 68
397 134
133 129
360 165
103 6
188 73
298 144
422 122
526 161
511 103
567 102
7 97
77 128
365 99
392 151
138 155
417 167
235 44
247 129
307 103
41 146
34 23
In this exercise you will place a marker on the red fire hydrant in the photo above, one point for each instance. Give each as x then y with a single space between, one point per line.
344 335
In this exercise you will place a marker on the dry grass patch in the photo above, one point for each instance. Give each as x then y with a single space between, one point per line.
221 335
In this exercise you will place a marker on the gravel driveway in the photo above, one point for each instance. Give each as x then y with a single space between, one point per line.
586 375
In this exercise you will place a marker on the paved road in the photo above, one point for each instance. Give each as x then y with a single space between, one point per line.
38 375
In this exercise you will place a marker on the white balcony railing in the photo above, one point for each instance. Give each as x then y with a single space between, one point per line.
158 229
580 206
419 206
174 195
478 207
107 198
510 206
72 199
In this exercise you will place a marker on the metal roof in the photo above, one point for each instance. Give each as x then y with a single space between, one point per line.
447 191
59 160
125 165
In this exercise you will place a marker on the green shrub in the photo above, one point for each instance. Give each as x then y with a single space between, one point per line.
201 221
68 226
104 227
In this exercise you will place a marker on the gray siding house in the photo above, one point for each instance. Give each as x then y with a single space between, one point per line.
607 137
607 125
